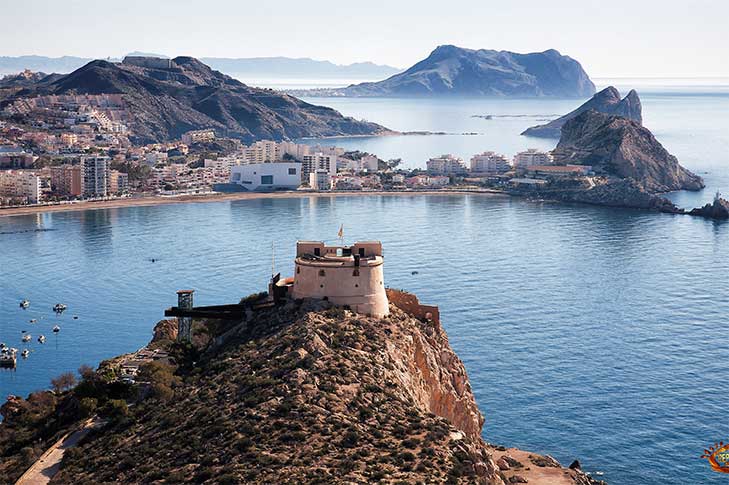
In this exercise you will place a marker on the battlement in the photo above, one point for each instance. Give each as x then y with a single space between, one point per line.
349 276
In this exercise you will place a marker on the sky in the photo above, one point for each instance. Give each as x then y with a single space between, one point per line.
616 38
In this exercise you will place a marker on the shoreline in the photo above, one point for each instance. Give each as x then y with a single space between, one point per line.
223 197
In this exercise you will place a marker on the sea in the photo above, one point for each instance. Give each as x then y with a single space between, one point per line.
588 333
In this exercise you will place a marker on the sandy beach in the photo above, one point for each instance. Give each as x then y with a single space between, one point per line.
220 197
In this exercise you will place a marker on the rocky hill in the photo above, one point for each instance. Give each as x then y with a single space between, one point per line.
303 394
606 101
165 102
451 70
621 148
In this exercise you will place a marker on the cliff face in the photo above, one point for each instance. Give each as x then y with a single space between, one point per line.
164 103
451 70
622 148
606 101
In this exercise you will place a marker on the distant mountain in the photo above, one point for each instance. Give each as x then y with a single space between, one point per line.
618 147
163 103
451 70
257 67
284 67
606 101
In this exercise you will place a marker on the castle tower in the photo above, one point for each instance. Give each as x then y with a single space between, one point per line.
350 276
184 324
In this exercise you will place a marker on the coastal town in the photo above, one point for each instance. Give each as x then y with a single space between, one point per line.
67 149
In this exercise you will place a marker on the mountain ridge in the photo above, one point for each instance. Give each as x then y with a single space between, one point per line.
452 70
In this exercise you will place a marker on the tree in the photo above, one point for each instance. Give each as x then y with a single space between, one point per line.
63 382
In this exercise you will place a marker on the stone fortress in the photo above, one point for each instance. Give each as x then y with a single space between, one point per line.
351 277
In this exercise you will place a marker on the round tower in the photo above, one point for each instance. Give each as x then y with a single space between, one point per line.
350 276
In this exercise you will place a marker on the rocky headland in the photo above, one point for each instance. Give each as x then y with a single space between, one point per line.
455 71
718 210
606 101
297 393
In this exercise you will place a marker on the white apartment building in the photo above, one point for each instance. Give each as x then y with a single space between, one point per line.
221 163
96 176
367 163
20 184
489 162
261 152
266 177
532 157
446 164
196 136
318 161
320 180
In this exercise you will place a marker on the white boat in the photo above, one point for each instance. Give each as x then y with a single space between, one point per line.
8 357
59 308
25 353
32 320
42 339
56 329
27 337
24 304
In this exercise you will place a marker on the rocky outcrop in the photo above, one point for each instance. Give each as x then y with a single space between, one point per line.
718 210
307 394
622 148
163 103
606 101
455 71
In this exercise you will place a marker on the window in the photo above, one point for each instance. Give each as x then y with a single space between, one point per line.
292 171
298 270
321 272
355 272
266 179
361 252
317 252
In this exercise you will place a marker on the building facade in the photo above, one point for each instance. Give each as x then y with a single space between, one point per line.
96 176
320 180
20 184
67 180
446 165
266 177
531 157
318 161
489 162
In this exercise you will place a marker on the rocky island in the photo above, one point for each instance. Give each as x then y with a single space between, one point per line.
292 391
160 99
455 71
606 101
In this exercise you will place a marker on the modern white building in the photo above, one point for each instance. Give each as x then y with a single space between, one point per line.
489 162
96 176
20 184
320 180
446 164
532 157
266 177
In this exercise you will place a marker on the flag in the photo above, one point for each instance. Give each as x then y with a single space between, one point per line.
340 234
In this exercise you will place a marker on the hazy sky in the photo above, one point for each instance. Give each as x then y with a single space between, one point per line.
654 38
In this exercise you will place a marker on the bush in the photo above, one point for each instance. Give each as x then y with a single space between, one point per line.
87 406
63 382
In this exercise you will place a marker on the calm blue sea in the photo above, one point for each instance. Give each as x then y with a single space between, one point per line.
587 332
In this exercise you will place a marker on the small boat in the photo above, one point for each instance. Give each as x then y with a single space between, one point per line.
59 308
413 272
75 317
7 357
24 304
25 353
42 339
56 329
32 320
599 474
27 337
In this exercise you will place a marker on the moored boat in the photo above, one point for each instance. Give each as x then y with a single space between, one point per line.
24 304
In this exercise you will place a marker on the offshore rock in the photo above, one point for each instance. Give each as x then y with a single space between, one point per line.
719 209
606 101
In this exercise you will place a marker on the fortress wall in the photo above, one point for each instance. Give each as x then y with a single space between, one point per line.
409 303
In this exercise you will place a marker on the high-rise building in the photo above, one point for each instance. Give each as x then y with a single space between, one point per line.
318 161
320 180
489 162
20 184
446 165
96 176
67 180
532 157
118 182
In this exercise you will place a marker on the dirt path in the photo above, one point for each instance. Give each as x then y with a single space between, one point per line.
41 472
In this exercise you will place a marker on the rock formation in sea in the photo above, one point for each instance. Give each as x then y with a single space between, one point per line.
606 101
719 209
621 148
455 71
295 393
164 101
